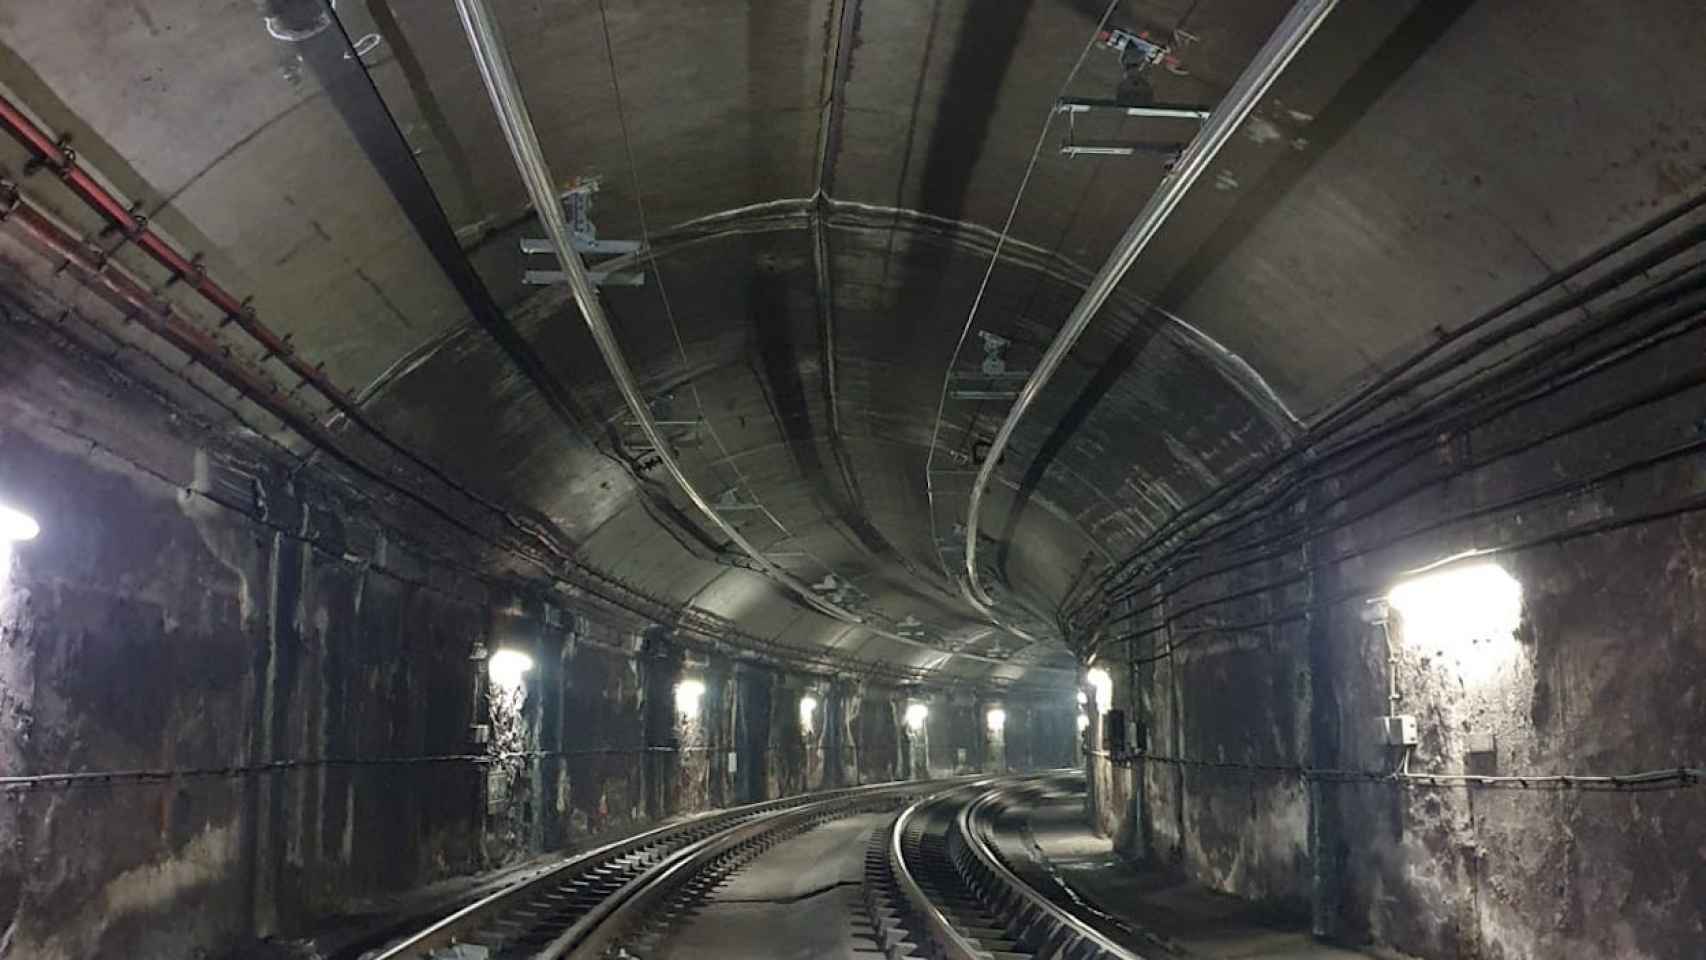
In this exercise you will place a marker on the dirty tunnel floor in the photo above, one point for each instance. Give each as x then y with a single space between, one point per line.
1149 910
796 901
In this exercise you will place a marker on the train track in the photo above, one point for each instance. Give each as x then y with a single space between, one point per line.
936 886
619 893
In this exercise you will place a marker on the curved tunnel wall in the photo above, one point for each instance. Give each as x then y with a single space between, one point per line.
1255 671
191 643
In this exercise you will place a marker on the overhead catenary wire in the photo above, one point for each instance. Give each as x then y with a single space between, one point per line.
1293 32
741 481
491 55
989 270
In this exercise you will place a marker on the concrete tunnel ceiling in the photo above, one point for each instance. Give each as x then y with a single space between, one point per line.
804 390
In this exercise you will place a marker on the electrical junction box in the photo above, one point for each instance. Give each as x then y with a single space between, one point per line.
1399 731
1483 744
479 734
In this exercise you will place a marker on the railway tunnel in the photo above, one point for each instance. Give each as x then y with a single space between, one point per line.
958 478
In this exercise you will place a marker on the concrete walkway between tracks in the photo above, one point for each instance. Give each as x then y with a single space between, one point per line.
798 900
1154 913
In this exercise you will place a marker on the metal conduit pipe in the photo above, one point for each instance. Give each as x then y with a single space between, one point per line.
113 282
1455 414
1368 590
1413 433
1382 389
1679 321
160 317
1288 38
56 156
486 41
1559 489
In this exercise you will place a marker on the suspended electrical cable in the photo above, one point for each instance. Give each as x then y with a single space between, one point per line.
982 288
741 480
808 660
116 778
1671 778
1380 390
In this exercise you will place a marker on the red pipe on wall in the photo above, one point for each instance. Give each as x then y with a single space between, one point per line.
55 155
118 285
62 160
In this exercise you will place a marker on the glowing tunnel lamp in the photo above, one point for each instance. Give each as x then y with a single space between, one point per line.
1083 723
916 714
1104 687
16 525
996 718
688 693
1467 611
507 667
808 712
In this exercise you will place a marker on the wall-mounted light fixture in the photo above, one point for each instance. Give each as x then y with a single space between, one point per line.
506 668
996 719
1083 723
1466 611
808 713
1104 687
916 714
688 693
17 526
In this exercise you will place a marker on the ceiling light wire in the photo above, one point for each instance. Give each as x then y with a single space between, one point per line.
741 481
983 286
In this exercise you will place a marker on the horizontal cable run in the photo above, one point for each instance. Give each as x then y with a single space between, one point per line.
1367 591
1268 488
696 629
116 778
1673 778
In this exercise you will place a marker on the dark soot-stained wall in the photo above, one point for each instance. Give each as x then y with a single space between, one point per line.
152 629
1606 674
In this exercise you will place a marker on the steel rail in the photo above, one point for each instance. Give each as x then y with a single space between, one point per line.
1293 32
696 834
949 943
984 907
492 56
1059 931
649 896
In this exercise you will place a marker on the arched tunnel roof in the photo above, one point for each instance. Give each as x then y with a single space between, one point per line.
825 184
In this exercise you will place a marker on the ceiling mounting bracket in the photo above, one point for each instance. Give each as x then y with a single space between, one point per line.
1140 51
1072 146
1253 84
583 235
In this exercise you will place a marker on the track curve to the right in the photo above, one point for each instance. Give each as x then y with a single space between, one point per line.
936 886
